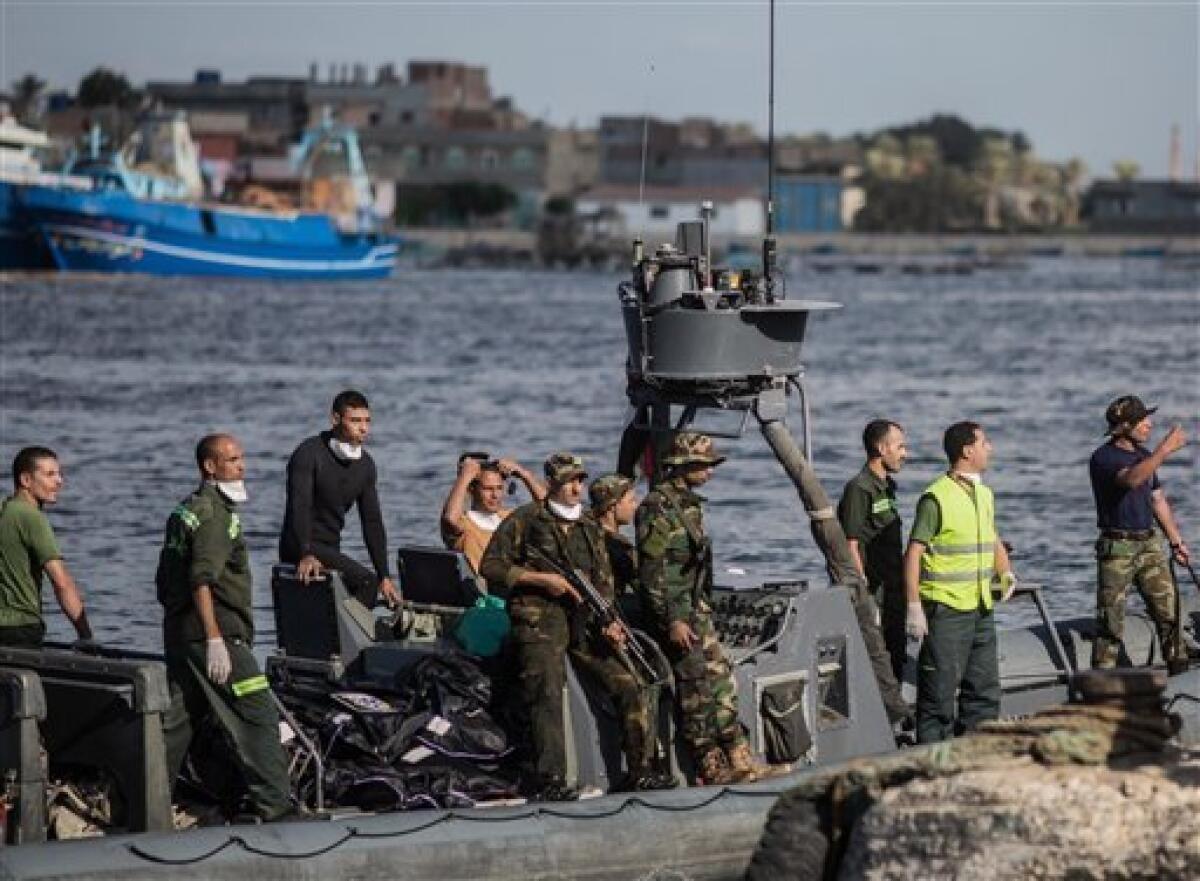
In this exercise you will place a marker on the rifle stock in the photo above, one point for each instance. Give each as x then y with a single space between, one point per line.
604 614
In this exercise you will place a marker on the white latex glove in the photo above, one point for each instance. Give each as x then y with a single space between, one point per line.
216 660
1008 585
915 623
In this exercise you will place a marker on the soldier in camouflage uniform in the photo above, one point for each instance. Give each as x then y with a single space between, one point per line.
675 571
614 504
203 583
548 623
1129 503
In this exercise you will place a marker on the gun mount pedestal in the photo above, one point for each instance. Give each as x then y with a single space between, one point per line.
733 346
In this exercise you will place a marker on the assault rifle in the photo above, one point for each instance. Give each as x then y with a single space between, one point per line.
604 614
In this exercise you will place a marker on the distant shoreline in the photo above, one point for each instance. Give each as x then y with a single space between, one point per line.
1081 244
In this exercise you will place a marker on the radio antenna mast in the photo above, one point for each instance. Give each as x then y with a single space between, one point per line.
768 247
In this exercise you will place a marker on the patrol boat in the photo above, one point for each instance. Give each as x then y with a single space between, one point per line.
699 337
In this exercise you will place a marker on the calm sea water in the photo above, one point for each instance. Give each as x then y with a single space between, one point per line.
122 375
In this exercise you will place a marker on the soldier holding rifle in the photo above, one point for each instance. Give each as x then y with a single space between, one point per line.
525 561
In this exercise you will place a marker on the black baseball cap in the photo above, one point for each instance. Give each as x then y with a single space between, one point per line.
1126 410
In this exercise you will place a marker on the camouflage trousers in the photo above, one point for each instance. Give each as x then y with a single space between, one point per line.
541 634
707 692
1120 564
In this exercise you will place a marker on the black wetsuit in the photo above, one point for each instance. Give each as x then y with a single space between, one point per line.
321 488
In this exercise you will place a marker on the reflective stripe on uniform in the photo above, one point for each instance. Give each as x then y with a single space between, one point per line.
957 577
190 520
235 524
969 549
250 685
883 505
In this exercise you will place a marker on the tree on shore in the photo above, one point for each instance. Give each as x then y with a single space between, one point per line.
942 174
1126 169
106 88
26 92
942 200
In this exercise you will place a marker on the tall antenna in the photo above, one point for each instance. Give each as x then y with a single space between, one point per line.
768 247
771 124
642 173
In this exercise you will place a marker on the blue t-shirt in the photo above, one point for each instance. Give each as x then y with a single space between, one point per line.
1119 507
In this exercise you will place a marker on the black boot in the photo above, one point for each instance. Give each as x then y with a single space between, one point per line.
647 781
554 789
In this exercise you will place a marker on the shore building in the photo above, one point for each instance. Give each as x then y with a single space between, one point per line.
1162 207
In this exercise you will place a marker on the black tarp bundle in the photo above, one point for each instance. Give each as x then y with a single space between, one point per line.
429 743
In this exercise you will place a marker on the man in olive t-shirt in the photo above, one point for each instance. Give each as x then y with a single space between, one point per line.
28 549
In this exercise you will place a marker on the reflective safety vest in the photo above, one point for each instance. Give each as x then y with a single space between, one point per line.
958 564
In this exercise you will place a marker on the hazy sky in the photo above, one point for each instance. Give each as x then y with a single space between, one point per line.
1096 79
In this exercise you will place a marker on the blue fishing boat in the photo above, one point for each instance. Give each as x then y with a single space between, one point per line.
21 164
146 213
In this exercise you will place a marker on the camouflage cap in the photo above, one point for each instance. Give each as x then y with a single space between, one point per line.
692 448
606 491
1126 410
561 467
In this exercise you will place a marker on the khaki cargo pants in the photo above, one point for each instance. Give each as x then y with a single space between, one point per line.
1119 564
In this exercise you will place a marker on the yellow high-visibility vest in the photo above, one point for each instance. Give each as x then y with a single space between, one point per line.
958 564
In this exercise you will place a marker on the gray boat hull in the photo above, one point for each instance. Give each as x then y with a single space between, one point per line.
696 833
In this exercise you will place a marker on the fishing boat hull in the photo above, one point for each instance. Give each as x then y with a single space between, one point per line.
112 231
21 248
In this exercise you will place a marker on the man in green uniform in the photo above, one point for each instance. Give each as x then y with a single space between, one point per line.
548 623
871 520
1130 502
954 555
28 549
675 571
203 584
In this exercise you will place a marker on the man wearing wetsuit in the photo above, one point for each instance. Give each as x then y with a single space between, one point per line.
326 476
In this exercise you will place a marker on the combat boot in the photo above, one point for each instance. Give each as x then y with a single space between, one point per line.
646 781
713 769
746 769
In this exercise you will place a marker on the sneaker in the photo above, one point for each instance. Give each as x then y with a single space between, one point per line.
904 731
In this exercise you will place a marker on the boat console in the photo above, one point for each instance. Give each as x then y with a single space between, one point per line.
100 712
